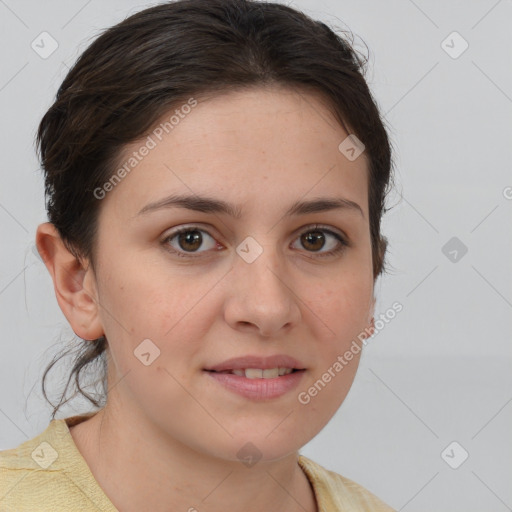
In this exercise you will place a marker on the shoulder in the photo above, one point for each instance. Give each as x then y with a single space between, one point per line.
23 473
334 492
45 474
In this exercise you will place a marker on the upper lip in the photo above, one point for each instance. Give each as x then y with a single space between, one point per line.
264 363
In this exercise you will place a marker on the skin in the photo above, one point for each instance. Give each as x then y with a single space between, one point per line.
169 435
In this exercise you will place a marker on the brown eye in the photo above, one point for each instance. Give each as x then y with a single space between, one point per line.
185 242
190 240
315 239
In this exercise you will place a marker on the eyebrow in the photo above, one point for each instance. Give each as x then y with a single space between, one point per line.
211 205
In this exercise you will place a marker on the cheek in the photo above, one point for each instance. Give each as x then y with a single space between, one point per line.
165 309
341 314
151 298
322 395
341 307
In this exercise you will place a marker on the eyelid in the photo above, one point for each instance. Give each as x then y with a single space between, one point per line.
335 232
323 227
313 226
192 227
185 228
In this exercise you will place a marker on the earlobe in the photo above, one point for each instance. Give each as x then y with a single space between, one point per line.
372 327
371 318
75 286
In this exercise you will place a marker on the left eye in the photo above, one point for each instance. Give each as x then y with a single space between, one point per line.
186 241
317 236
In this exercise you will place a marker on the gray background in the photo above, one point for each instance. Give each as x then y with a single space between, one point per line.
441 370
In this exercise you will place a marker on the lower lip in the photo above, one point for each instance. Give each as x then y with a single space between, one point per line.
258 389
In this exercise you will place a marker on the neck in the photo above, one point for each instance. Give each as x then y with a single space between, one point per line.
141 468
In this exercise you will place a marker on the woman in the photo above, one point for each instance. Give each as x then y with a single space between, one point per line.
215 172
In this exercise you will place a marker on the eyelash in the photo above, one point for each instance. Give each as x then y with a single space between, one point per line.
342 242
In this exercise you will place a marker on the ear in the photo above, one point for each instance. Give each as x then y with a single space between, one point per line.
75 286
371 318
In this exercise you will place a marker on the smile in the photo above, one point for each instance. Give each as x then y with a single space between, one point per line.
258 373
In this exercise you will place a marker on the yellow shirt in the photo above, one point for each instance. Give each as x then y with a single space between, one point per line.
48 474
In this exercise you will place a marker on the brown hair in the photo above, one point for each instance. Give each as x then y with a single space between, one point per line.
158 58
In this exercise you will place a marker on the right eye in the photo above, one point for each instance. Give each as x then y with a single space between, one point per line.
185 241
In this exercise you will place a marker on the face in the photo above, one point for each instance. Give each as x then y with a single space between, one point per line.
261 283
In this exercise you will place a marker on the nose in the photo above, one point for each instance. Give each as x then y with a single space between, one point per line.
261 297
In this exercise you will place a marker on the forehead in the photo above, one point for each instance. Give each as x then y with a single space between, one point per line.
251 147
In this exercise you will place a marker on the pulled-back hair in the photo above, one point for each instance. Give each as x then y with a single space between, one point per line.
159 58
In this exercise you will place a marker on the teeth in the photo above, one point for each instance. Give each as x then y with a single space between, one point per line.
257 373
271 373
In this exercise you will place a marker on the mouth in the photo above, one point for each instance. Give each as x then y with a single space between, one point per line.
259 373
258 384
258 377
